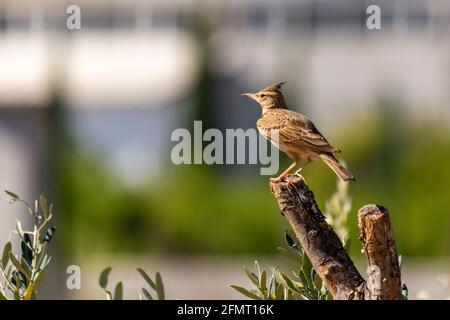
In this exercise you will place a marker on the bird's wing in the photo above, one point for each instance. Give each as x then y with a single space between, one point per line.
294 130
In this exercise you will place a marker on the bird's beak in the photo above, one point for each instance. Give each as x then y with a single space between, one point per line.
249 95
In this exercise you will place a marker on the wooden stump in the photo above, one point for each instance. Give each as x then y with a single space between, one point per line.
325 250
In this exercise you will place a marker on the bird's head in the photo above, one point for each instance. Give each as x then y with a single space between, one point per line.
269 98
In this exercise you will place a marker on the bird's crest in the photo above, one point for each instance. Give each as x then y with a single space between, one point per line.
274 87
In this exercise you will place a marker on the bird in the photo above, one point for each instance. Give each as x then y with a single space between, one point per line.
297 136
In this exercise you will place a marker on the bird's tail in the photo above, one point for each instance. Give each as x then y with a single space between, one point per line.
337 167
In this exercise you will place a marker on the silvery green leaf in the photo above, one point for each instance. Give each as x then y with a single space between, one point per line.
2 297
49 234
307 266
19 266
288 281
45 262
258 269
279 292
272 280
252 276
290 242
108 295
303 278
27 253
159 287
246 292
262 281
5 257
19 229
405 292
13 196
118 291
317 281
146 277
103 279
44 205
146 295
42 254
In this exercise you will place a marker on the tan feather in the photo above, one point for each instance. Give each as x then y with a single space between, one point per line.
274 87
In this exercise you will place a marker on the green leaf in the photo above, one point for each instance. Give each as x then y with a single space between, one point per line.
146 295
27 253
307 265
258 269
2 297
159 287
49 234
317 281
118 291
404 292
41 256
19 267
288 281
45 262
303 278
5 257
44 205
245 292
147 278
19 229
103 280
290 242
279 292
14 196
108 295
252 276
262 282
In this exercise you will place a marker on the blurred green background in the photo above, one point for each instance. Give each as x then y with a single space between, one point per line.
86 117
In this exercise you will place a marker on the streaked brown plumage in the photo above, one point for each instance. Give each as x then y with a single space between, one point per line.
297 135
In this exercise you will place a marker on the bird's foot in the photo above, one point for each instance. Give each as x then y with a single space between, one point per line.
297 173
278 179
275 179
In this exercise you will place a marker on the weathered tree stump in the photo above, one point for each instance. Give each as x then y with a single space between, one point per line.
325 250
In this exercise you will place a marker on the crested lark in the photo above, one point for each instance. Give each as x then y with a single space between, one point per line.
297 135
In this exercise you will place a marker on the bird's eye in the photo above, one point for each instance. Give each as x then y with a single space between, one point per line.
262 95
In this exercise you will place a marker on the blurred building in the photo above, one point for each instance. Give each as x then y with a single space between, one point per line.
131 60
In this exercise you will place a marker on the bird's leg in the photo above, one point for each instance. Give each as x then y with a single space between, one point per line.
308 161
281 176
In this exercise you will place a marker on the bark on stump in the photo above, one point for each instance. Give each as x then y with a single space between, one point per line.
325 250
